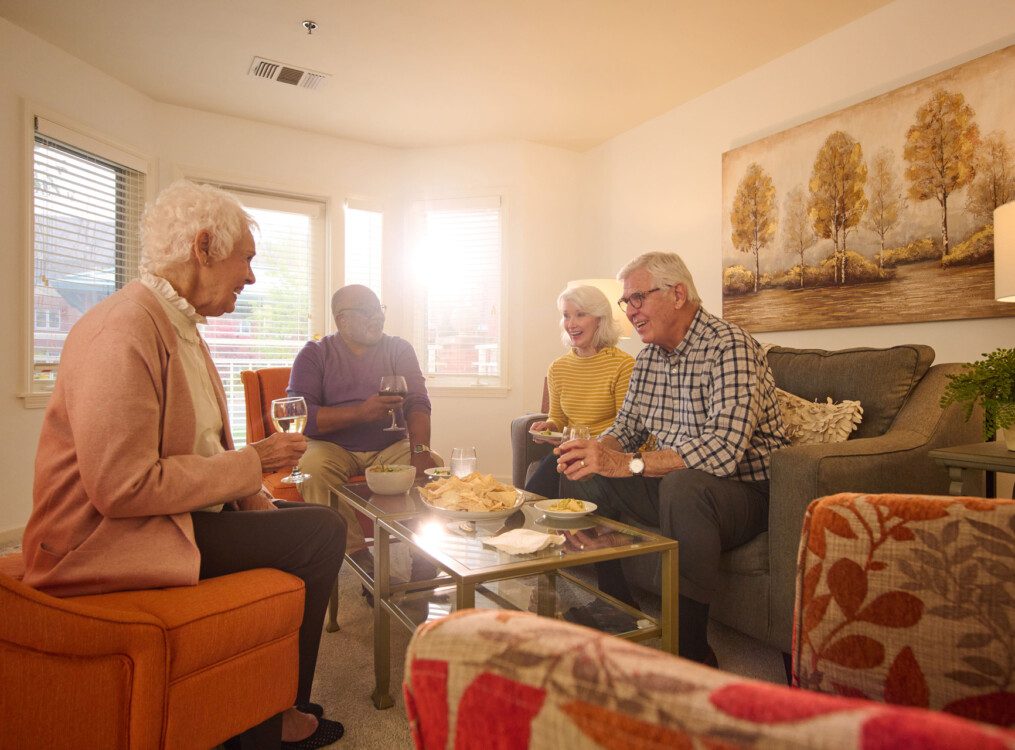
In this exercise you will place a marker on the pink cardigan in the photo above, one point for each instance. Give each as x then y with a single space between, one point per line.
115 475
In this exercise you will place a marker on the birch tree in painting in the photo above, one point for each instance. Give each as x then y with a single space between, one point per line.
941 148
837 194
884 197
753 216
994 184
797 226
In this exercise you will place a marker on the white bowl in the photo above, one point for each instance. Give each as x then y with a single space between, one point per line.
390 482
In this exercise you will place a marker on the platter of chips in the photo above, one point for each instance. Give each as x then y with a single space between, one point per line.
475 497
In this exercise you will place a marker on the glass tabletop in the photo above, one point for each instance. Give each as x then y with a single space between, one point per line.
459 546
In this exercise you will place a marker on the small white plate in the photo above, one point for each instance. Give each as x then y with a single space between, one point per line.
549 437
438 472
477 515
544 507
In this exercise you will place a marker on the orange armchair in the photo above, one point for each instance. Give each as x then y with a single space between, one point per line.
164 668
260 387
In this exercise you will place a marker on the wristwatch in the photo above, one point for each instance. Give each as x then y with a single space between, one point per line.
420 448
636 464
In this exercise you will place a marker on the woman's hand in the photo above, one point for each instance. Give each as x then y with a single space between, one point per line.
579 459
540 427
280 450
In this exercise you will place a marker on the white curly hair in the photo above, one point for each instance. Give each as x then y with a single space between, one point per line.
591 301
179 213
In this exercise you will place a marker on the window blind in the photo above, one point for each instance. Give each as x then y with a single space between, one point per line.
86 209
363 247
458 330
283 309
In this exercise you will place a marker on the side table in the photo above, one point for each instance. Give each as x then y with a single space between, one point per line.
962 460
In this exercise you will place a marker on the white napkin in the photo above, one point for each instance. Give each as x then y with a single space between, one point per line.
523 541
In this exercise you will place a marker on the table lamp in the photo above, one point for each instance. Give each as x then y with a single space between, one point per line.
1004 252
614 290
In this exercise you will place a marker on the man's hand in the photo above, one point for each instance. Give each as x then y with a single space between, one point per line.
280 450
377 407
422 461
578 459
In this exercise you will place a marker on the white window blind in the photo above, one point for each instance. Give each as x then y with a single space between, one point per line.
87 202
284 308
457 263
364 229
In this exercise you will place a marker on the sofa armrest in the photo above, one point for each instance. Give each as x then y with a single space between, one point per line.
908 599
523 450
894 462
497 679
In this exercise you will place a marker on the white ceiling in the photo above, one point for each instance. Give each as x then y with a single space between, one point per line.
405 73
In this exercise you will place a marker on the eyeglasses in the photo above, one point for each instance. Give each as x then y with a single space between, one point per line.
637 299
366 312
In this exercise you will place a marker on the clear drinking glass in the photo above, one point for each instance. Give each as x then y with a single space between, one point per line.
290 415
576 432
463 461
393 385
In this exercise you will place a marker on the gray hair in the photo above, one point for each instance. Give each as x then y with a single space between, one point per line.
179 214
666 269
593 302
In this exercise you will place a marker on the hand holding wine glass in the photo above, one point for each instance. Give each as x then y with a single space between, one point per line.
393 385
289 415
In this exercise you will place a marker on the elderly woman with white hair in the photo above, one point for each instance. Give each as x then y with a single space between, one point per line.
137 483
588 384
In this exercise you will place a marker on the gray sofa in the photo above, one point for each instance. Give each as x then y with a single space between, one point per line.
899 391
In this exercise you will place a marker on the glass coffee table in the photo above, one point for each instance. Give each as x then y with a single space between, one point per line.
441 565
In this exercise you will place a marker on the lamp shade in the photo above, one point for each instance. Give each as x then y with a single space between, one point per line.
613 290
1004 252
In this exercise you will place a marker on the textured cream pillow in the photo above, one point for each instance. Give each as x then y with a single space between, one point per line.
811 422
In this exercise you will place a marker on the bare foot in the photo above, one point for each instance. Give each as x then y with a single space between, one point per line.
297 725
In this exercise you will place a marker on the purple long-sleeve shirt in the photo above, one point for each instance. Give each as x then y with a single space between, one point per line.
327 373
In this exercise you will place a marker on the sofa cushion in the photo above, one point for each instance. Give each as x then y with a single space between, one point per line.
880 379
808 422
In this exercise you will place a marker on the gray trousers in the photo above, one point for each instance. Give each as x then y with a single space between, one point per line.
706 514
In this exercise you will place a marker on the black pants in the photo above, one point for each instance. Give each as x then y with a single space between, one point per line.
545 480
706 514
305 540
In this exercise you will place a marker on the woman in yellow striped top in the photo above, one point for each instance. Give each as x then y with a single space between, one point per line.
588 384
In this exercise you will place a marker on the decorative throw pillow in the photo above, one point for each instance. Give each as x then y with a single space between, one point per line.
812 422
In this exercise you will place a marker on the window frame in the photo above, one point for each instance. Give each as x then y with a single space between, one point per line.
414 218
96 143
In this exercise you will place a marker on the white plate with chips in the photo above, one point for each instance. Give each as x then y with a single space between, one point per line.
557 509
548 436
477 515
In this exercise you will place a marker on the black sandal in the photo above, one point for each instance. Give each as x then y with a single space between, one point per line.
327 732
314 709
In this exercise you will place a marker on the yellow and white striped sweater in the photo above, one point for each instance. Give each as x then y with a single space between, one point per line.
588 390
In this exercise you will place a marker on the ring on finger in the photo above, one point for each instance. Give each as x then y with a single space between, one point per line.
583 463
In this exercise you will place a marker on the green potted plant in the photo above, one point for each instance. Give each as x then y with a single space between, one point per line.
989 382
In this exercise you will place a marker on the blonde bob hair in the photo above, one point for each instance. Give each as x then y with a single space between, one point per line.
666 269
179 214
593 302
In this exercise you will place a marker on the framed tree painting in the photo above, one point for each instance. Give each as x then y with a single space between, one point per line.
879 213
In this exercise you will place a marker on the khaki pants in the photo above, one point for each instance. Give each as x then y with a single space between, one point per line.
330 466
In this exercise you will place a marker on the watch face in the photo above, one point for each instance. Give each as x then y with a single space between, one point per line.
637 466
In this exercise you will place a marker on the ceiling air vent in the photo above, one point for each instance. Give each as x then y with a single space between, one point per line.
288 74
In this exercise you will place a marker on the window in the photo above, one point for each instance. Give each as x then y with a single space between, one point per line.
457 266
284 308
363 235
86 206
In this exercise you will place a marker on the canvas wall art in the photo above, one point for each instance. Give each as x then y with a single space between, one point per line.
879 213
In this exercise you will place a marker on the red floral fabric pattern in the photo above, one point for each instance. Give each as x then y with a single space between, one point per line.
909 600
514 680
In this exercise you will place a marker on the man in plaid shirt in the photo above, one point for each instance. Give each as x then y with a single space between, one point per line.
703 390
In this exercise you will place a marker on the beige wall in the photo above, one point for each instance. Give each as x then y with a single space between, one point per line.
568 215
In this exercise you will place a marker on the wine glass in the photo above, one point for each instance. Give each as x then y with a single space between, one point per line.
393 385
290 415
463 461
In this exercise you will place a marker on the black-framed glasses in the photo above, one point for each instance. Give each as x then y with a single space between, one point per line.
366 312
637 299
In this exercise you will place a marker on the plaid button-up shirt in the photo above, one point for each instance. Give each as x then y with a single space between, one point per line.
712 400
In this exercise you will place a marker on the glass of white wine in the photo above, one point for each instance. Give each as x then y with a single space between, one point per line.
290 415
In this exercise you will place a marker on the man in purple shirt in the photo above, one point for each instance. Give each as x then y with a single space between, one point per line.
340 376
